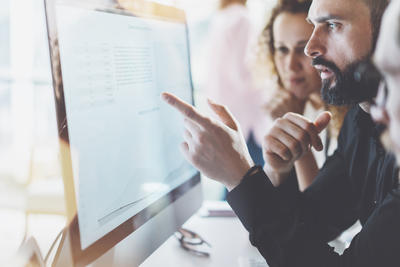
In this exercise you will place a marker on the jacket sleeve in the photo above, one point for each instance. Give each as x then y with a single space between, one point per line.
376 245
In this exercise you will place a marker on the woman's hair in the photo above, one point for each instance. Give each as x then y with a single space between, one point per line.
225 3
265 62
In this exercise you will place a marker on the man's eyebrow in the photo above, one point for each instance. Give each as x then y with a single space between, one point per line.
324 19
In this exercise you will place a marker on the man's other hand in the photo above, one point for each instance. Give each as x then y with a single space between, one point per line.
215 148
288 140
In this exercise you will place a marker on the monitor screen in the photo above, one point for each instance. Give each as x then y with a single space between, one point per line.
123 141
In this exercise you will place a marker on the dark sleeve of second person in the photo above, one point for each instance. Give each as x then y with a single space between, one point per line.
278 221
294 240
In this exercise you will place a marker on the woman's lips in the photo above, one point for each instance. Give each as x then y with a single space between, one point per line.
296 81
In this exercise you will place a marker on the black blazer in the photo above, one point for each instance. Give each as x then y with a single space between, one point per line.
358 182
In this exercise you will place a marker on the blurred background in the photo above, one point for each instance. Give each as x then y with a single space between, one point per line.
30 182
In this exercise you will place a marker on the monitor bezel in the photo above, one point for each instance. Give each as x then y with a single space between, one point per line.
82 257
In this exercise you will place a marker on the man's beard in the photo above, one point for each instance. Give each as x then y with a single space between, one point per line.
350 87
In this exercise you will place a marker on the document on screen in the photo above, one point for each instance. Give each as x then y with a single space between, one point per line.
124 141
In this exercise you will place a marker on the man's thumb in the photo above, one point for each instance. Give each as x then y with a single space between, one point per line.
223 113
322 121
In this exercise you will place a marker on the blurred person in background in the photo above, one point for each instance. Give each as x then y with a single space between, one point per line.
229 78
387 59
297 83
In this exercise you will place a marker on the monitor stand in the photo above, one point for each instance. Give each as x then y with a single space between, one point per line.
63 255
136 247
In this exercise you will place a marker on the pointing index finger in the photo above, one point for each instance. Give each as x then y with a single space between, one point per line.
186 109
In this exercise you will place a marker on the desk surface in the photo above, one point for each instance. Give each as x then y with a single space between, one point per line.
229 240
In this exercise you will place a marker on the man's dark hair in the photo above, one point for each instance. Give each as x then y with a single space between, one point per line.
377 8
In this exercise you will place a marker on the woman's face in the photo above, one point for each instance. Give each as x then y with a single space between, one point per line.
291 34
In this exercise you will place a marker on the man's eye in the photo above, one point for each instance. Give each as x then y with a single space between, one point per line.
332 26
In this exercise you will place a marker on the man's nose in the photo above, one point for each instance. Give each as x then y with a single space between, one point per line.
315 47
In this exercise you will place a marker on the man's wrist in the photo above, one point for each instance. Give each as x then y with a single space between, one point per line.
249 172
253 170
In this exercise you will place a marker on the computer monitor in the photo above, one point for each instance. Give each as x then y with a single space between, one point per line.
127 186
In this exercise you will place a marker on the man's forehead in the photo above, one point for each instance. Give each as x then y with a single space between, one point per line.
338 8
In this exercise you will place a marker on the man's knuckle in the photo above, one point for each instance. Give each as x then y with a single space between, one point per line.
309 127
189 112
284 151
288 115
279 122
304 138
172 101
295 146
208 121
267 141
292 146
202 139
299 148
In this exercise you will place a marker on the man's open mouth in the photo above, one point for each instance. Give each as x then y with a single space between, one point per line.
325 72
